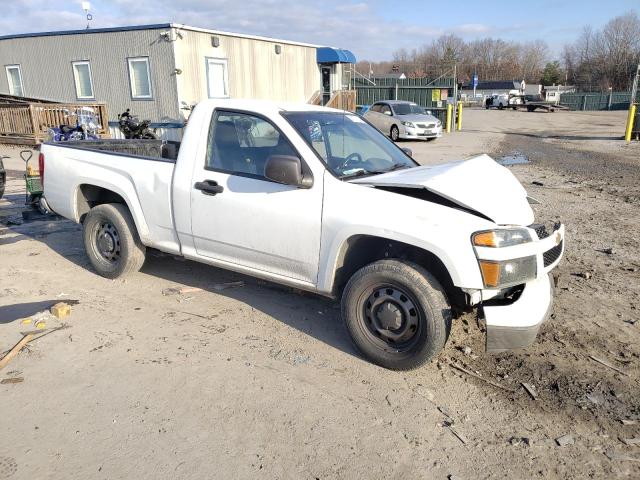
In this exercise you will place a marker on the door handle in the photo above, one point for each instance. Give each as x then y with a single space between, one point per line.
209 187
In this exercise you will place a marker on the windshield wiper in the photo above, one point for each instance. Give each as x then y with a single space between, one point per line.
395 166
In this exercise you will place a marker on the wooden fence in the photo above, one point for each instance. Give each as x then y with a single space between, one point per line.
27 123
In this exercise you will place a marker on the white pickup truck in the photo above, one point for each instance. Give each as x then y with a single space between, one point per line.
320 200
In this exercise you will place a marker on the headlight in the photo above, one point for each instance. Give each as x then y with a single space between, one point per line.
508 272
408 124
504 237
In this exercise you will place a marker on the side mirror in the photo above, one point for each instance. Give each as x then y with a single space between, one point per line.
387 112
429 112
407 151
285 169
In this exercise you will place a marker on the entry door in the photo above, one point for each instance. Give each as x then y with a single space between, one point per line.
326 84
217 78
239 216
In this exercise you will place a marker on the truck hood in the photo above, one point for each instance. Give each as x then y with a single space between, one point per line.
479 184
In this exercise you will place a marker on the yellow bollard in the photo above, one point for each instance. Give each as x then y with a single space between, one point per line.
449 114
630 120
459 116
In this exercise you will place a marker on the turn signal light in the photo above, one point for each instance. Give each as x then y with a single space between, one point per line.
490 273
485 239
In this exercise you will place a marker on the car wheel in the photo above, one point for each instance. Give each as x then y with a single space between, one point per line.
500 106
396 313
111 241
395 133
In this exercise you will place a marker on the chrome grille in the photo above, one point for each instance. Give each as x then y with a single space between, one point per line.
426 125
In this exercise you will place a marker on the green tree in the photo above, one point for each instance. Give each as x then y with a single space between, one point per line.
551 74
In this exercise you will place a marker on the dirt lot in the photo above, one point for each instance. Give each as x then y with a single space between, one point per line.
258 380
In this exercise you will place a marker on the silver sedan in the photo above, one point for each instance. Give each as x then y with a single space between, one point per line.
403 120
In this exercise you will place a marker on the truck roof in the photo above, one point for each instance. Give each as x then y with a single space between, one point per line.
267 107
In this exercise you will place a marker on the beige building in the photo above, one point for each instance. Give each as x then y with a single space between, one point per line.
158 70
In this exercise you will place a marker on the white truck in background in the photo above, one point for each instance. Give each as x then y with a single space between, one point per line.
320 200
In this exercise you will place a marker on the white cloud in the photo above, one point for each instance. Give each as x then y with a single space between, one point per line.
347 24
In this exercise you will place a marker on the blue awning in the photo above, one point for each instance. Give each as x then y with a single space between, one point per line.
334 55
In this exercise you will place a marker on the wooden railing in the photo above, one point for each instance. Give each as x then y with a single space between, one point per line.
315 99
343 99
27 123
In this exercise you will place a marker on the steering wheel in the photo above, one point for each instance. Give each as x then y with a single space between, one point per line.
355 156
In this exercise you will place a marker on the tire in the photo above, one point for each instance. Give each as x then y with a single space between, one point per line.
500 106
111 241
395 133
413 301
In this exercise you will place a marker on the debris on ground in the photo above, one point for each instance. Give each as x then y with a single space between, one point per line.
475 375
613 455
625 421
11 380
585 275
15 349
530 390
607 364
516 441
539 184
180 290
26 321
631 441
61 310
607 250
223 286
565 440
41 324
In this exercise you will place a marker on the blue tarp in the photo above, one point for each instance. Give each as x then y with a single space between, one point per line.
334 55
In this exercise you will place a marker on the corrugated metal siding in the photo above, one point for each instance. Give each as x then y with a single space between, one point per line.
255 70
596 100
47 72
417 90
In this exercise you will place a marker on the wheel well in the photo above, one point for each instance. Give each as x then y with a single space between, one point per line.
362 250
91 195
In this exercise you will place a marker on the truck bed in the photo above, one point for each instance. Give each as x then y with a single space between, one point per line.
150 149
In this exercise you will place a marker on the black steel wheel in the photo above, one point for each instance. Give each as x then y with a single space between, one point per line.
390 317
395 133
396 313
111 240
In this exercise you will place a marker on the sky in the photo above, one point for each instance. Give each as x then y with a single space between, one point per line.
371 30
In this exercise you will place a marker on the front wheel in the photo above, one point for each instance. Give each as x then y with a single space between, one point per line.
396 313
111 241
395 133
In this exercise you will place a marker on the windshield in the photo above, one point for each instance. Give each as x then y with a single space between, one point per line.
407 109
348 145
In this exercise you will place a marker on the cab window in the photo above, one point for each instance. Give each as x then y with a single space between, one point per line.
239 143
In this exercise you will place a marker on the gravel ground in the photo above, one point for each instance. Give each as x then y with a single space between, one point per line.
260 380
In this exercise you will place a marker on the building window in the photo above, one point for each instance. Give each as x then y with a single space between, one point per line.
217 78
84 82
14 77
140 78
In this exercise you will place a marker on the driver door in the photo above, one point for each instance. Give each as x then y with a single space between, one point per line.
239 216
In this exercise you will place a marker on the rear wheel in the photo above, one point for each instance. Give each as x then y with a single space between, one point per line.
396 313
500 106
395 133
111 241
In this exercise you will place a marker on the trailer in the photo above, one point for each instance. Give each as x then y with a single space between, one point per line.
535 102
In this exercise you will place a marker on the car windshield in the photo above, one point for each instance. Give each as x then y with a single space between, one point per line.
348 145
407 109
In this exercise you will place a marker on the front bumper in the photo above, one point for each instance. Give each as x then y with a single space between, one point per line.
512 325
516 325
414 133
